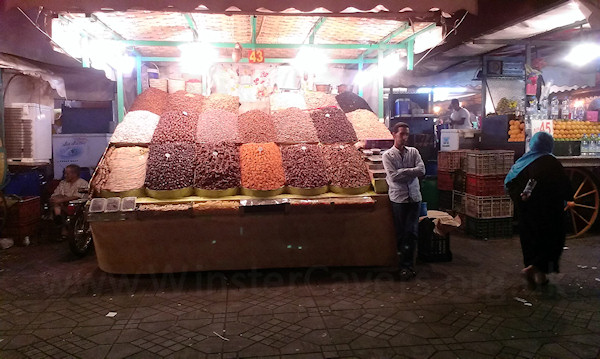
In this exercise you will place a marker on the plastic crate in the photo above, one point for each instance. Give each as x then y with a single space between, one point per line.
490 228
445 200
486 163
485 185
23 211
451 160
488 207
432 247
460 181
445 181
459 202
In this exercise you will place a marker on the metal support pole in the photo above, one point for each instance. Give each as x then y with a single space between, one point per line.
120 97
2 89
253 21
483 85
380 83
138 68
410 55
360 70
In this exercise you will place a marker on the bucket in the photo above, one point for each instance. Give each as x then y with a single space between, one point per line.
323 88
423 212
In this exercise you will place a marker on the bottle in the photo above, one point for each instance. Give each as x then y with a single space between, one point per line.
554 109
585 145
593 145
566 110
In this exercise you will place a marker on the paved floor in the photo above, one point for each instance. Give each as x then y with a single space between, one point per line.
53 305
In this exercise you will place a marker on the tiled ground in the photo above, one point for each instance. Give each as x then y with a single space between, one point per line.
53 305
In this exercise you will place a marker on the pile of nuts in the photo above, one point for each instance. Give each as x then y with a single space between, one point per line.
346 167
216 126
170 166
294 125
137 127
316 99
367 125
261 166
183 101
256 126
126 168
304 166
219 101
333 126
176 126
283 100
217 166
153 100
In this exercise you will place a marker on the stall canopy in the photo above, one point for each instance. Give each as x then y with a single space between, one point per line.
257 6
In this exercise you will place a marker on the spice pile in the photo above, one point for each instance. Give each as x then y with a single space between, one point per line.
170 166
219 101
216 126
261 166
304 166
346 167
183 101
256 126
153 100
367 125
351 102
176 126
283 100
332 126
137 127
316 99
294 125
217 166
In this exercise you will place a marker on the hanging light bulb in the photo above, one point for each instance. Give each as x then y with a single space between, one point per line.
236 55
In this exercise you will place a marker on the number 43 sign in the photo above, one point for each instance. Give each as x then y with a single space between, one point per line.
256 56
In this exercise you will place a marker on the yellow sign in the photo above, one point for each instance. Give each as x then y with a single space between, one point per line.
256 56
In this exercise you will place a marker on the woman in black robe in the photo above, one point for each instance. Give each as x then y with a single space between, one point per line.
540 212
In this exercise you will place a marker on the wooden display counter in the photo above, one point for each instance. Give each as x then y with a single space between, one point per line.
351 231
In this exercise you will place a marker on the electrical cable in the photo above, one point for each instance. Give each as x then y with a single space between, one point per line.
48 36
456 25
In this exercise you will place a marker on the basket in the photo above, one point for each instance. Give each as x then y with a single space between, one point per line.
161 84
445 200
451 160
490 228
489 207
486 163
445 181
485 185
459 203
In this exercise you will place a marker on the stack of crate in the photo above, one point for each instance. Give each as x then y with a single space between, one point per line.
488 209
450 176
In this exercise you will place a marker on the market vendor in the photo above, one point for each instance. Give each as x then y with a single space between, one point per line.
403 166
68 190
460 118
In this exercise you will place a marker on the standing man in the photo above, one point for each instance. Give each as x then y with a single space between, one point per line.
460 119
403 165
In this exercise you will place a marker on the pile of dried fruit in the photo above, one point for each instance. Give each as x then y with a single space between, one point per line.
256 126
183 101
176 126
216 126
346 167
137 127
219 101
350 101
367 126
217 166
304 166
153 100
261 166
170 166
332 126
316 99
294 125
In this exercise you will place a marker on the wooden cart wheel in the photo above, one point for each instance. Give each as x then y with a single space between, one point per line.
587 202
3 212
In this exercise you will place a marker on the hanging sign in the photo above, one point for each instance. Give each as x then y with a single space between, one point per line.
256 56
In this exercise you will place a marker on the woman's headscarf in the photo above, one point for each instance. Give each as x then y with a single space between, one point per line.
541 144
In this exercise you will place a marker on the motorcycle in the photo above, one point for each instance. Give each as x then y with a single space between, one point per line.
79 234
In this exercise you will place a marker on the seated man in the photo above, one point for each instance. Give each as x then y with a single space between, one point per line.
67 190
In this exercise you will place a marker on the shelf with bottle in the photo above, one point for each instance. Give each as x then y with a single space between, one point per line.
572 130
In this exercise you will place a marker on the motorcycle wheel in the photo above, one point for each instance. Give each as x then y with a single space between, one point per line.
80 240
